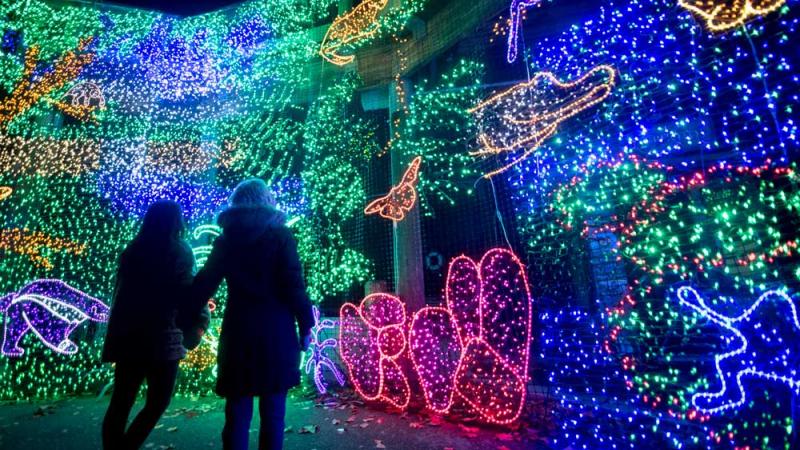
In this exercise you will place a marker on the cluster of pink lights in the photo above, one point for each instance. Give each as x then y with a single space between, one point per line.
372 341
473 351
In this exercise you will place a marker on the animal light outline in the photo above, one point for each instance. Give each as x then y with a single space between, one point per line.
83 100
530 132
318 359
720 17
688 296
63 315
473 336
357 24
401 198
375 312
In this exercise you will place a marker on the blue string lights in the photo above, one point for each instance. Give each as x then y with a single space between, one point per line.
761 348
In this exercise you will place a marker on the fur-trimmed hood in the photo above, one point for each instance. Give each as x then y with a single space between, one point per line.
249 223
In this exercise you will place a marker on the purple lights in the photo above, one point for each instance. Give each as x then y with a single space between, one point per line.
51 310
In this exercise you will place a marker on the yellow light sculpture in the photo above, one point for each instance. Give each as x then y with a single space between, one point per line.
30 89
359 23
524 116
189 157
48 156
24 242
721 15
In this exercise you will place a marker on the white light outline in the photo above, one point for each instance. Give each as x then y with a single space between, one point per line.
728 323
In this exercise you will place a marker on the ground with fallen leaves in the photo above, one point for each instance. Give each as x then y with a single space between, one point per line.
323 423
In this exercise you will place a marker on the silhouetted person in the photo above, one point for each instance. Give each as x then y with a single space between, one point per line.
259 346
153 279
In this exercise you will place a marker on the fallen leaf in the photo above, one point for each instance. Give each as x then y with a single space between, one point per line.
505 437
340 430
379 444
416 425
309 429
172 429
336 421
364 425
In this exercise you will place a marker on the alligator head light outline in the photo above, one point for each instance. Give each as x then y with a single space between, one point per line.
759 350
722 16
357 24
523 117
51 309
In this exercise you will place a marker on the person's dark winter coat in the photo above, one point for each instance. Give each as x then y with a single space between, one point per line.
153 280
259 348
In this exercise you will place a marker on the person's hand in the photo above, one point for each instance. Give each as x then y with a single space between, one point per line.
305 341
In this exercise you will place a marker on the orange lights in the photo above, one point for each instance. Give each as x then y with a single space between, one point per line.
24 242
522 118
48 156
30 89
722 15
358 24
5 192
401 198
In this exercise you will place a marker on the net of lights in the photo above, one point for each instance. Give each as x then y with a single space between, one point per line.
683 176
676 176
106 110
702 228
437 127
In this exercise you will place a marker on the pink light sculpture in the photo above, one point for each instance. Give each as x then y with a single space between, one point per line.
371 341
476 349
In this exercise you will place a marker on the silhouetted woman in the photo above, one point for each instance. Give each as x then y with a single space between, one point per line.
259 346
153 280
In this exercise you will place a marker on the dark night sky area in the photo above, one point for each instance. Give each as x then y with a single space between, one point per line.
179 8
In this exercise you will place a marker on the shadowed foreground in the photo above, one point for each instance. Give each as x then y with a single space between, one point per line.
196 424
